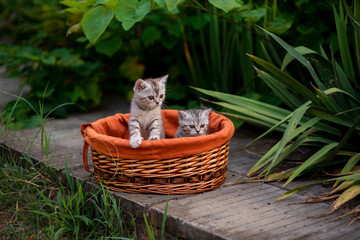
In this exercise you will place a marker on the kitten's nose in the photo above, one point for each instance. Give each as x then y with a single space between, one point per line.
157 103
198 131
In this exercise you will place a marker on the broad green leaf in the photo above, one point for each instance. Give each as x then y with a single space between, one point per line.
225 5
95 22
129 12
253 15
169 41
286 78
75 7
288 57
33 121
298 56
280 24
107 3
160 3
150 34
109 46
171 4
319 156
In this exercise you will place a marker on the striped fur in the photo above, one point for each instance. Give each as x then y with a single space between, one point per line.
145 110
193 122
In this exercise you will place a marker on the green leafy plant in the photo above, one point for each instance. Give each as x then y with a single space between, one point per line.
37 52
39 118
77 212
42 207
325 113
213 36
82 48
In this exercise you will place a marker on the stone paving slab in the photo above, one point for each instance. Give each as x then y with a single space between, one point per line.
241 211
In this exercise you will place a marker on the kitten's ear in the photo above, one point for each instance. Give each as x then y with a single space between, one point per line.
206 112
140 85
163 79
182 114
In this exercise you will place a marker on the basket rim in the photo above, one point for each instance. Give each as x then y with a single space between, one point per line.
95 135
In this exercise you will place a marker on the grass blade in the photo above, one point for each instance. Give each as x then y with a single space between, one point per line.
290 129
351 163
340 23
344 185
258 106
270 153
298 56
319 156
280 90
164 220
347 195
296 190
288 57
149 229
286 78
248 112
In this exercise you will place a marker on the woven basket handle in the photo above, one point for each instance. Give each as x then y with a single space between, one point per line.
85 157
85 147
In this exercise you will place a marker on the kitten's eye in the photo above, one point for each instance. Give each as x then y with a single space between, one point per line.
151 97
191 126
202 125
162 95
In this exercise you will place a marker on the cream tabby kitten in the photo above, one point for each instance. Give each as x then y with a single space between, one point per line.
193 122
145 110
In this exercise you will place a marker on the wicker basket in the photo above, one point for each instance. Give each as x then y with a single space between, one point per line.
166 166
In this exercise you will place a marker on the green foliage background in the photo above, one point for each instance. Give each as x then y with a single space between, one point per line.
81 49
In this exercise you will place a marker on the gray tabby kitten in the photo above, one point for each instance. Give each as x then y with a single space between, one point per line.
193 122
145 110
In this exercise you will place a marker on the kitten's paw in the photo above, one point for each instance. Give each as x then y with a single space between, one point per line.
154 137
135 142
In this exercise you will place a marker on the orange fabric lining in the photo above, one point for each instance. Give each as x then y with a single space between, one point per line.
110 136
